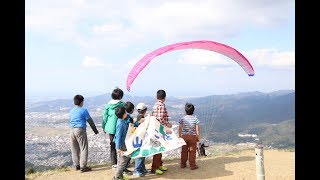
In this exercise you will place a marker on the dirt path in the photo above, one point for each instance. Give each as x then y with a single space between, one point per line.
278 165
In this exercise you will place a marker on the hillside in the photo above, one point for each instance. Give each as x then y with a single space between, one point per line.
278 165
222 117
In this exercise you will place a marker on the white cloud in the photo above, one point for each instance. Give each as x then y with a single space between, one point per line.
92 62
108 28
260 57
93 23
272 58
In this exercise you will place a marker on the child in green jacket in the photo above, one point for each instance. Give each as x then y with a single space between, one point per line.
109 121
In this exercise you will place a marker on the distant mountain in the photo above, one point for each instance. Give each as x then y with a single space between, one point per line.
221 117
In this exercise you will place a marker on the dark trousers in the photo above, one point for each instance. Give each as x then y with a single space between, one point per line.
189 151
113 152
156 161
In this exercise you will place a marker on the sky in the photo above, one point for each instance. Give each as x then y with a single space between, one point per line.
88 47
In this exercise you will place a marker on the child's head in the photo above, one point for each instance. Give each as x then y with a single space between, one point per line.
189 108
161 95
129 107
78 100
121 112
142 108
117 94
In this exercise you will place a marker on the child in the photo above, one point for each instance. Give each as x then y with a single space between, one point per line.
119 139
189 130
109 121
160 112
139 167
79 142
129 107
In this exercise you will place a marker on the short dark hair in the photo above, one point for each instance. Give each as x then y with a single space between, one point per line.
142 111
78 99
161 94
120 112
117 94
129 107
189 108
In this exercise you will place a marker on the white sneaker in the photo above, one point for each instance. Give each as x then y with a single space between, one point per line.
114 166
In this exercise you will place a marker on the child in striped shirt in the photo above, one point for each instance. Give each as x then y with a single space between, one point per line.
189 130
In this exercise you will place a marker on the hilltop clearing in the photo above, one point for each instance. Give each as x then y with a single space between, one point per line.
278 164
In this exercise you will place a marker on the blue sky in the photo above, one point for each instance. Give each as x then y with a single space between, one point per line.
88 46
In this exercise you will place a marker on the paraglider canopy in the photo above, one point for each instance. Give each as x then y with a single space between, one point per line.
206 45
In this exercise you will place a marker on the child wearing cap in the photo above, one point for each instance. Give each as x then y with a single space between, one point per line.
139 167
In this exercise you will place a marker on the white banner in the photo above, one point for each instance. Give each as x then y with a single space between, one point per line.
150 138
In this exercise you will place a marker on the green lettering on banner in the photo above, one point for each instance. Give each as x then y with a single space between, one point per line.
135 153
162 149
153 150
161 130
145 152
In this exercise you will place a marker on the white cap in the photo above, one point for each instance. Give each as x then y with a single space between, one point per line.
141 106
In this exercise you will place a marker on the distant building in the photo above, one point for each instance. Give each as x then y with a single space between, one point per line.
248 135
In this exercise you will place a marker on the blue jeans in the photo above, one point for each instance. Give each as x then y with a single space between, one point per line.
139 166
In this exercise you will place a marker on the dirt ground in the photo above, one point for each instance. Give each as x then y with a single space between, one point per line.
278 165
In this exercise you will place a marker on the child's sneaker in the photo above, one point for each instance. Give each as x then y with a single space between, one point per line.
145 171
127 172
193 168
85 169
138 174
125 177
162 168
157 171
122 178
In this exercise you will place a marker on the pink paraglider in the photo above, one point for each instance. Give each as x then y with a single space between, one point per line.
206 45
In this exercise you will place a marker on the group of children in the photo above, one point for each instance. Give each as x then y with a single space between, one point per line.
116 119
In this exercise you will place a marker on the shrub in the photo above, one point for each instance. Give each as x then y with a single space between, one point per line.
30 170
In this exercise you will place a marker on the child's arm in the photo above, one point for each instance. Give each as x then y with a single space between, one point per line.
141 120
118 135
87 116
198 131
162 115
180 130
104 118
92 125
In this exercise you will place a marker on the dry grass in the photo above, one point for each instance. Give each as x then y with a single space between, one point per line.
278 164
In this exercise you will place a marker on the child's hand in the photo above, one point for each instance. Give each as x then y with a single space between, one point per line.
141 120
168 131
119 151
